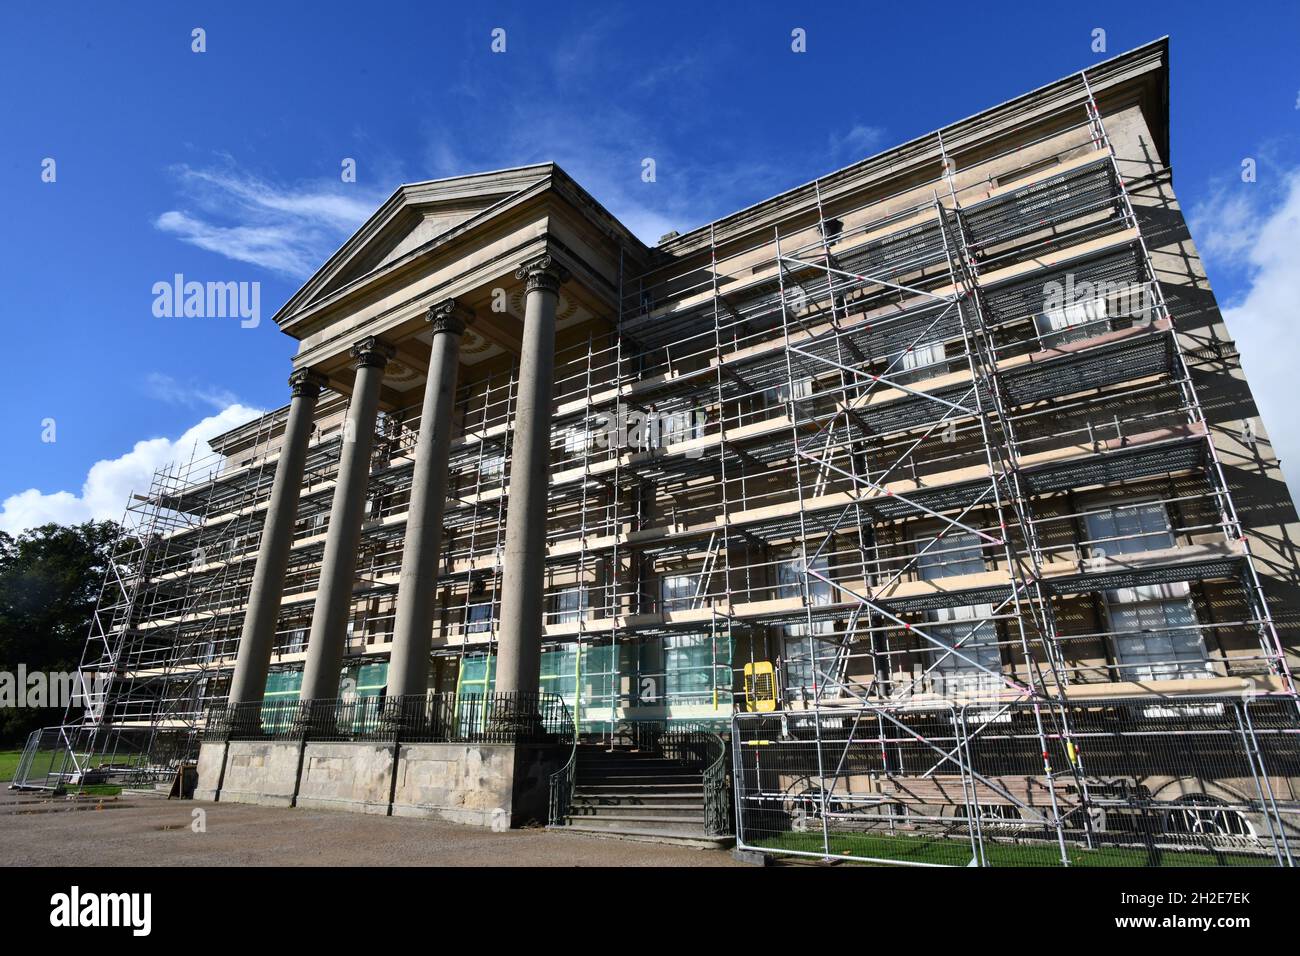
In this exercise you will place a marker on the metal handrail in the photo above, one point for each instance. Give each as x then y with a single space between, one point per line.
562 783
717 791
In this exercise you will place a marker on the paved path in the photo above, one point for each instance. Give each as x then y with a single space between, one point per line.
148 830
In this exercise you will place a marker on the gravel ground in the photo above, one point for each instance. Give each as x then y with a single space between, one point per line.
149 830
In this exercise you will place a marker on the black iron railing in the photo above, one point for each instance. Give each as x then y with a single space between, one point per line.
562 783
432 718
717 790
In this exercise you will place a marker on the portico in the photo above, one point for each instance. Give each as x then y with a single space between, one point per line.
449 281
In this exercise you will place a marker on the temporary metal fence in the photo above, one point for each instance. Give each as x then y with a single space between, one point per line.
1205 781
67 757
422 718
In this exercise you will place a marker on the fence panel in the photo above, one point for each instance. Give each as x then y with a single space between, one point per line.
1187 782
852 784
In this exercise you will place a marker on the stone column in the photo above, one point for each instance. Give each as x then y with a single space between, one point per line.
408 668
257 641
329 621
524 574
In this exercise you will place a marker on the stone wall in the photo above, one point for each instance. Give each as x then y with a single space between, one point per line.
255 771
491 785
346 776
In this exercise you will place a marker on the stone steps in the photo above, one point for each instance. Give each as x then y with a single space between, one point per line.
630 795
617 821
686 811
684 837
638 800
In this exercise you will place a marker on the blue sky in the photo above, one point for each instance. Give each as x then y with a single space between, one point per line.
225 166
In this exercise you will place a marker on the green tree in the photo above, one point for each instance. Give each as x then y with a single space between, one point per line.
50 578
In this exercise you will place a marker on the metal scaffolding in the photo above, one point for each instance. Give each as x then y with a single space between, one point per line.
859 444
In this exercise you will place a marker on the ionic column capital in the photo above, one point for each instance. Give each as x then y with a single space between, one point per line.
542 272
372 352
304 381
449 316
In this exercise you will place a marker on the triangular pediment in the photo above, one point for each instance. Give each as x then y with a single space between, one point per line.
414 216
413 226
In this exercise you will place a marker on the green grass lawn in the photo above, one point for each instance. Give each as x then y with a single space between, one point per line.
957 852
41 762
8 764
96 790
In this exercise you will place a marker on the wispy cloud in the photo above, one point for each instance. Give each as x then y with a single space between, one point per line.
286 229
604 150
560 109
500 119
857 142
164 388
1250 235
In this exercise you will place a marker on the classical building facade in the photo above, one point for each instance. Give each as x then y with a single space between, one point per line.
959 422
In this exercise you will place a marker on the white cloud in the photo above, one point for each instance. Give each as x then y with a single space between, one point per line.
1255 232
289 230
109 483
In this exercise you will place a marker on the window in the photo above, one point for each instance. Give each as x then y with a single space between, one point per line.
778 395
1156 633
478 618
578 440
677 591
975 638
807 660
679 426
560 672
569 605
283 685
1129 529
1202 814
476 680
807 654
922 357
492 465
1072 321
689 673
953 553
789 579
965 628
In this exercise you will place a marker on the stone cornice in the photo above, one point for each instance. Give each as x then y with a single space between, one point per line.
905 159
